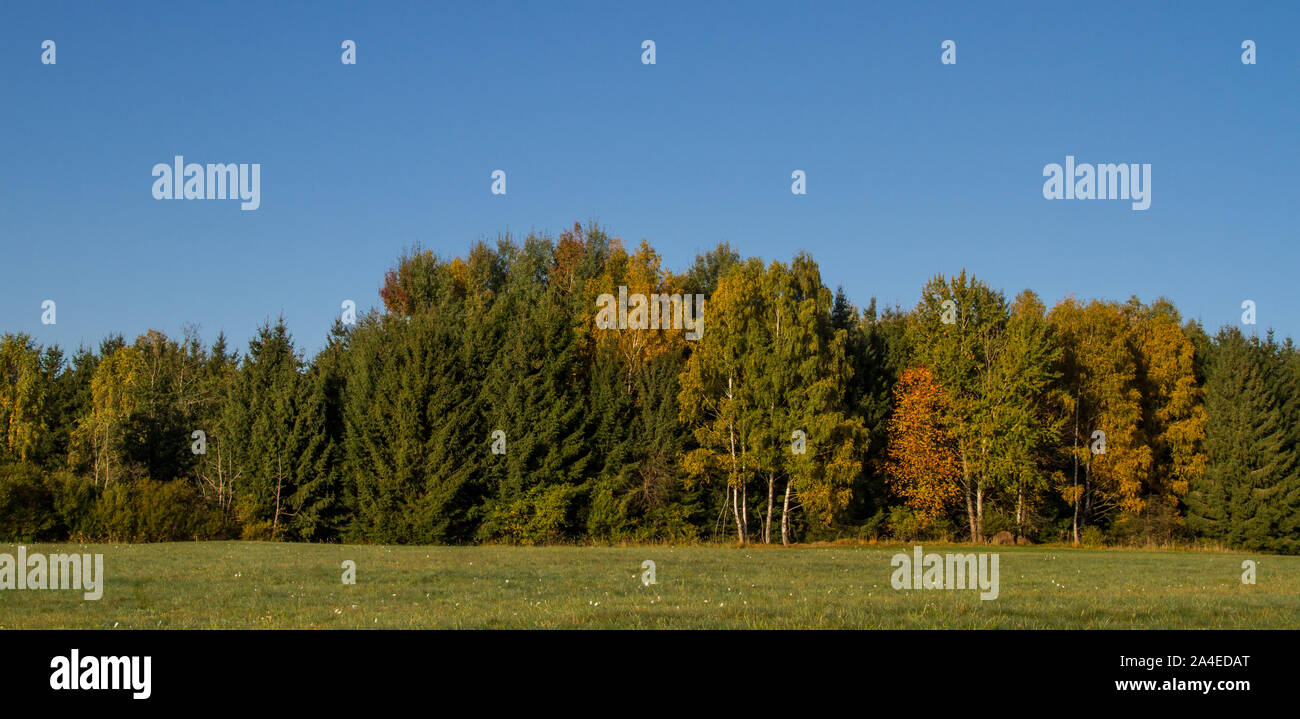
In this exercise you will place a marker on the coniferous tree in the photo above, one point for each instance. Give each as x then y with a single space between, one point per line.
878 355
408 430
320 503
260 418
782 410
1249 495
534 394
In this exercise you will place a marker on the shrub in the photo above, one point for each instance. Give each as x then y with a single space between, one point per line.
995 521
876 527
74 503
1158 523
1092 537
256 530
150 511
26 505
541 515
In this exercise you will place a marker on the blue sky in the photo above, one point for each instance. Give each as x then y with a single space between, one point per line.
913 167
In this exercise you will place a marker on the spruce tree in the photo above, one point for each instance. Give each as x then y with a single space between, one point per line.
260 419
1248 496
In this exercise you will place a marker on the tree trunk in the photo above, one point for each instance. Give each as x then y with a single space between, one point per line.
279 481
735 508
726 503
1076 520
970 509
741 527
785 517
1020 511
767 526
744 509
1075 454
1087 493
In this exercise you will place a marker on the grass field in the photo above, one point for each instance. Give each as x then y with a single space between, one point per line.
262 585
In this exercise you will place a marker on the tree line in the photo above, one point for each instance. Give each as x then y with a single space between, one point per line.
482 403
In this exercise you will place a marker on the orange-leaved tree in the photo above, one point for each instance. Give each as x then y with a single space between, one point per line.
922 462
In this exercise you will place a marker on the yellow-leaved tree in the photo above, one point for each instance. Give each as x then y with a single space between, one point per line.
99 433
922 465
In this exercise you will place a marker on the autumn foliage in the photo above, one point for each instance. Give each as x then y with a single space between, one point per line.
922 465
794 416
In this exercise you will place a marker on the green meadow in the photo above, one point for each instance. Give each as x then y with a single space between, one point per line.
233 585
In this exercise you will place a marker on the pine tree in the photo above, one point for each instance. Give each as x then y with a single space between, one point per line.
410 430
321 503
877 354
1248 495
261 417
534 393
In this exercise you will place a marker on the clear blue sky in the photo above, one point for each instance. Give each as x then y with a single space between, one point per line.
913 167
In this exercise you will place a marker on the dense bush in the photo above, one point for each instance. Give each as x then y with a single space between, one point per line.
151 511
27 512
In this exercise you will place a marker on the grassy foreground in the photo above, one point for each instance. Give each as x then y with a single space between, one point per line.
230 585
